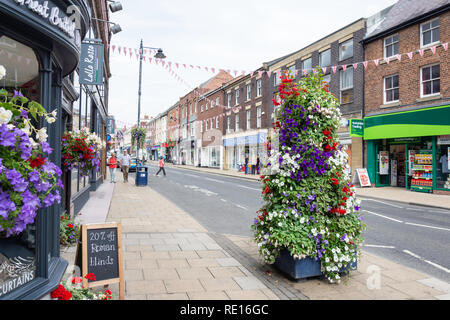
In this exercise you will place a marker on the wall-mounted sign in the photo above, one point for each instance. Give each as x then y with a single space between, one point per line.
15 272
91 63
356 127
52 14
443 140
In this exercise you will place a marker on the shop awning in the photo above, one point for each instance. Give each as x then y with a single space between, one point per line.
413 123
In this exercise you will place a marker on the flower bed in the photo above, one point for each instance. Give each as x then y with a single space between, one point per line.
75 291
69 231
29 181
310 207
81 150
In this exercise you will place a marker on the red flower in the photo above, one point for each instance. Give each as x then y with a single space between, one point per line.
58 292
275 102
335 181
267 190
91 277
77 280
326 132
66 296
327 148
70 226
37 163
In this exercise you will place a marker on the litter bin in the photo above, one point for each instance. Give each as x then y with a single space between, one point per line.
142 176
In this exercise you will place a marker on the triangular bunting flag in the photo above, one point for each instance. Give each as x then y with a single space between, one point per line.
213 70
113 48
324 69
334 68
260 73
355 66
399 57
410 55
387 60
365 64
376 61
445 45
421 52
269 73
433 49
344 67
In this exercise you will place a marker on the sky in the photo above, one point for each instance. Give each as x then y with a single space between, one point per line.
233 34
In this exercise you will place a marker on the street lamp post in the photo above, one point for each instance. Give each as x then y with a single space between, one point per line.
158 55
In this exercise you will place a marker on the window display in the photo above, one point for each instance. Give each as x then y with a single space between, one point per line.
422 179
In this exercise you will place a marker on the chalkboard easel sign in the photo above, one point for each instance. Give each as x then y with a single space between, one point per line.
101 254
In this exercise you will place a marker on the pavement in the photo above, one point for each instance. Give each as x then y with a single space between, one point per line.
169 255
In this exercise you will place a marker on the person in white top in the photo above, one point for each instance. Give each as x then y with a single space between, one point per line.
125 165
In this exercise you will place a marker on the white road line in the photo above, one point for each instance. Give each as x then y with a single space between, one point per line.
378 246
425 226
414 209
238 185
191 175
437 266
386 203
223 200
215 180
242 207
412 254
427 261
380 215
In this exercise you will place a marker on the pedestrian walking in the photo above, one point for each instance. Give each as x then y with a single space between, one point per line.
257 165
246 164
125 165
161 167
112 163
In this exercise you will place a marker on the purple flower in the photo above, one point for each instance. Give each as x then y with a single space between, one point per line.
49 200
7 138
17 94
17 181
46 147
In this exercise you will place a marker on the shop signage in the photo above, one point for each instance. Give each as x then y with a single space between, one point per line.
91 64
363 177
100 252
52 14
15 272
110 125
384 162
405 140
356 127
443 139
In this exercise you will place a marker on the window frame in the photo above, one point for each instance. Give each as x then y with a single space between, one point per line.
236 95
236 122
248 119
258 117
303 65
258 88
422 45
393 88
391 44
341 58
342 89
431 80
320 58
249 91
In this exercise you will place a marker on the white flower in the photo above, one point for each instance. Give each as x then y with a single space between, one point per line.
51 120
2 72
5 115
42 135
54 113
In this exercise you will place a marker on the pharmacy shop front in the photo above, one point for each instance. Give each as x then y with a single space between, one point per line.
409 149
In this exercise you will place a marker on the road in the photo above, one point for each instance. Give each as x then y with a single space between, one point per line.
414 236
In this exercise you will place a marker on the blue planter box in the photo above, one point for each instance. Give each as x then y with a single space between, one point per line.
302 268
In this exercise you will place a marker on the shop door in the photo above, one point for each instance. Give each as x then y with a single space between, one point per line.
383 176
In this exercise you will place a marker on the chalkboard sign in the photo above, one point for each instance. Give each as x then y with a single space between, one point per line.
101 255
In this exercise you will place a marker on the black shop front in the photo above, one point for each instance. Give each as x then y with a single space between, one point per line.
39 47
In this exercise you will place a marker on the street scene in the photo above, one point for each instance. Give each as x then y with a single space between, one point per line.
250 154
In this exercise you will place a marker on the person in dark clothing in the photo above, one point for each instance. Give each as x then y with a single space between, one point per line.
257 165
246 164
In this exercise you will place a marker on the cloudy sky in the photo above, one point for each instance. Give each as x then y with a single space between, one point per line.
233 34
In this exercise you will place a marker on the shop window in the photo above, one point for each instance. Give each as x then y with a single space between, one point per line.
249 92
443 163
430 80
248 119
429 33
391 89
346 86
391 46
18 254
237 97
258 117
236 119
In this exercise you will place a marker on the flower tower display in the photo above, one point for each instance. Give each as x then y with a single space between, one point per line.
310 206
29 181
138 134
81 149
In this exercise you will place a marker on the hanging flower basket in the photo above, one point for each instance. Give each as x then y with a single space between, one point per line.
29 181
81 150
310 208
138 134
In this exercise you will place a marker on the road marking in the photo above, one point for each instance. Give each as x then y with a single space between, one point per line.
238 185
242 207
191 175
414 209
427 261
425 226
215 180
378 246
412 254
386 203
223 200
380 215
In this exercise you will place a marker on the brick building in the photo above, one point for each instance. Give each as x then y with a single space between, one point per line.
246 119
406 109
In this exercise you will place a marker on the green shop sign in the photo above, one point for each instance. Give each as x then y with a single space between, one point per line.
433 121
356 127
